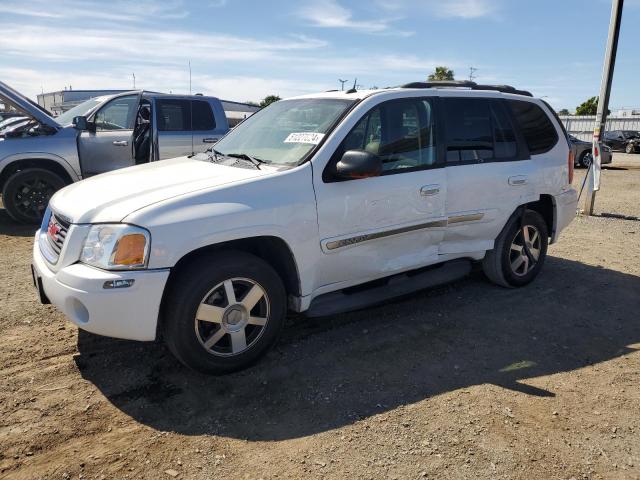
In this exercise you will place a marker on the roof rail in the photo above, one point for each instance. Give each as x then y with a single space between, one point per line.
467 84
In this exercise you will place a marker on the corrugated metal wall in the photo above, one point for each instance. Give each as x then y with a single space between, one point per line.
582 126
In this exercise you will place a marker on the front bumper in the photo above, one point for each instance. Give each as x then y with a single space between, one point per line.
78 290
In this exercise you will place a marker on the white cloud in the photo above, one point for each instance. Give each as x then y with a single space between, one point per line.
330 14
464 8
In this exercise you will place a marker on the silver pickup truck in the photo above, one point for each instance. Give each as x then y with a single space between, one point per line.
102 134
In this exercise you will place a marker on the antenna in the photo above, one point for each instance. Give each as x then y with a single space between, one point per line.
472 71
342 82
355 84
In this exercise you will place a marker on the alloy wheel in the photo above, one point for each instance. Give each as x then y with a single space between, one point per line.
521 262
587 159
232 317
32 197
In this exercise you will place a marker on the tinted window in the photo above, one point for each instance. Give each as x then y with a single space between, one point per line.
400 132
174 115
538 131
202 116
118 114
469 130
504 137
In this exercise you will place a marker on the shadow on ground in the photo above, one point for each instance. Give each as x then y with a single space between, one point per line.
11 228
326 373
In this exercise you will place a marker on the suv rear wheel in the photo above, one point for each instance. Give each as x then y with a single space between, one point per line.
26 193
519 251
223 312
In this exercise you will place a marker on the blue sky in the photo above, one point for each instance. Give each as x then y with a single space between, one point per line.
246 49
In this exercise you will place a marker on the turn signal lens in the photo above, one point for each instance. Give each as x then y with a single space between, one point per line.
130 250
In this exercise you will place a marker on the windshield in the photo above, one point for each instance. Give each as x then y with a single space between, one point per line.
285 131
79 110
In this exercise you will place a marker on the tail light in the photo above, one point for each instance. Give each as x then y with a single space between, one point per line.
570 164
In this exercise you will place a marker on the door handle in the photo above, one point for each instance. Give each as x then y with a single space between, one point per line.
120 143
517 180
209 140
430 190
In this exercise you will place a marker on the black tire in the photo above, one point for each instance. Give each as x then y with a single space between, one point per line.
498 263
196 283
26 193
586 159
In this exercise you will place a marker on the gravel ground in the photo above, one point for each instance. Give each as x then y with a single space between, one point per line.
467 380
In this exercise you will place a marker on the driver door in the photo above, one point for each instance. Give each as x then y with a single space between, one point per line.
375 227
108 146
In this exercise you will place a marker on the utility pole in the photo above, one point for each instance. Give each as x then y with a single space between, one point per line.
593 176
134 80
472 71
189 77
342 82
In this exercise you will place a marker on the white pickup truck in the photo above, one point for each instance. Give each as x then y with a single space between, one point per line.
319 204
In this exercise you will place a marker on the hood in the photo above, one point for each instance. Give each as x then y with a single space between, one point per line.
112 196
27 106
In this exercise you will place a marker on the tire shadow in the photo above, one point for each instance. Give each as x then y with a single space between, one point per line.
330 372
11 228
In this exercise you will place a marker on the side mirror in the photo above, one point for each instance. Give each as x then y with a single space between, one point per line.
358 164
80 123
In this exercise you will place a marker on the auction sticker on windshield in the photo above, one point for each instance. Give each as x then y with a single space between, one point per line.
304 137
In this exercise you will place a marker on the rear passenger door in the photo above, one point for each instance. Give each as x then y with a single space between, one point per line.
175 137
205 130
488 172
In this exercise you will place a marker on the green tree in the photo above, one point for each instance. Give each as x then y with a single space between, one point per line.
441 73
590 107
268 100
564 112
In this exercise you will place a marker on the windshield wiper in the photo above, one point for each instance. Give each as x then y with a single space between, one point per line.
243 156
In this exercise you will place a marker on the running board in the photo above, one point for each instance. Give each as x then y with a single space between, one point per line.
395 286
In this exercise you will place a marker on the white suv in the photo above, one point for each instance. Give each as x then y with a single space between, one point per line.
319 204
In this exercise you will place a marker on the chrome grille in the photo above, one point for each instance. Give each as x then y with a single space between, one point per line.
57 233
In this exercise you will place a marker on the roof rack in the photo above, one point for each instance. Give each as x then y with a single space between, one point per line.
467 84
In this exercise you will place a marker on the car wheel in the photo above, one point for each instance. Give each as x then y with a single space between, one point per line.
223 311
586 159
26 193
629 148
519 252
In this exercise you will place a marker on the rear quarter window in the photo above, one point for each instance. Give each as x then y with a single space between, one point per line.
537 129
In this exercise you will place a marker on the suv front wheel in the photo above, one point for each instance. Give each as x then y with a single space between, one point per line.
223 311
519 251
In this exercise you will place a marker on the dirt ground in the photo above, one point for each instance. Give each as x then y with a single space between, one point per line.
467 380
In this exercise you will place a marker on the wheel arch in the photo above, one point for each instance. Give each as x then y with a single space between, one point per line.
19 164
546 207
273 250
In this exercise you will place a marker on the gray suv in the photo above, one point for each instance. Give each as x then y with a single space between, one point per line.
102 134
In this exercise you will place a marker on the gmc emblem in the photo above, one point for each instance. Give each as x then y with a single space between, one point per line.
53 229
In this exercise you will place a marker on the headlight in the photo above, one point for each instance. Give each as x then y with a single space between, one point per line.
116 247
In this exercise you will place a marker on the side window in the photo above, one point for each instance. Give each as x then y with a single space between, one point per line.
174 115
400 132
537 129
469 130
203 118
118 114
504 137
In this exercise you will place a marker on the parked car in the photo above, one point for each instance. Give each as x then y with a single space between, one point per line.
10 122
583 152
99 135
623 140
320 204
7 115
